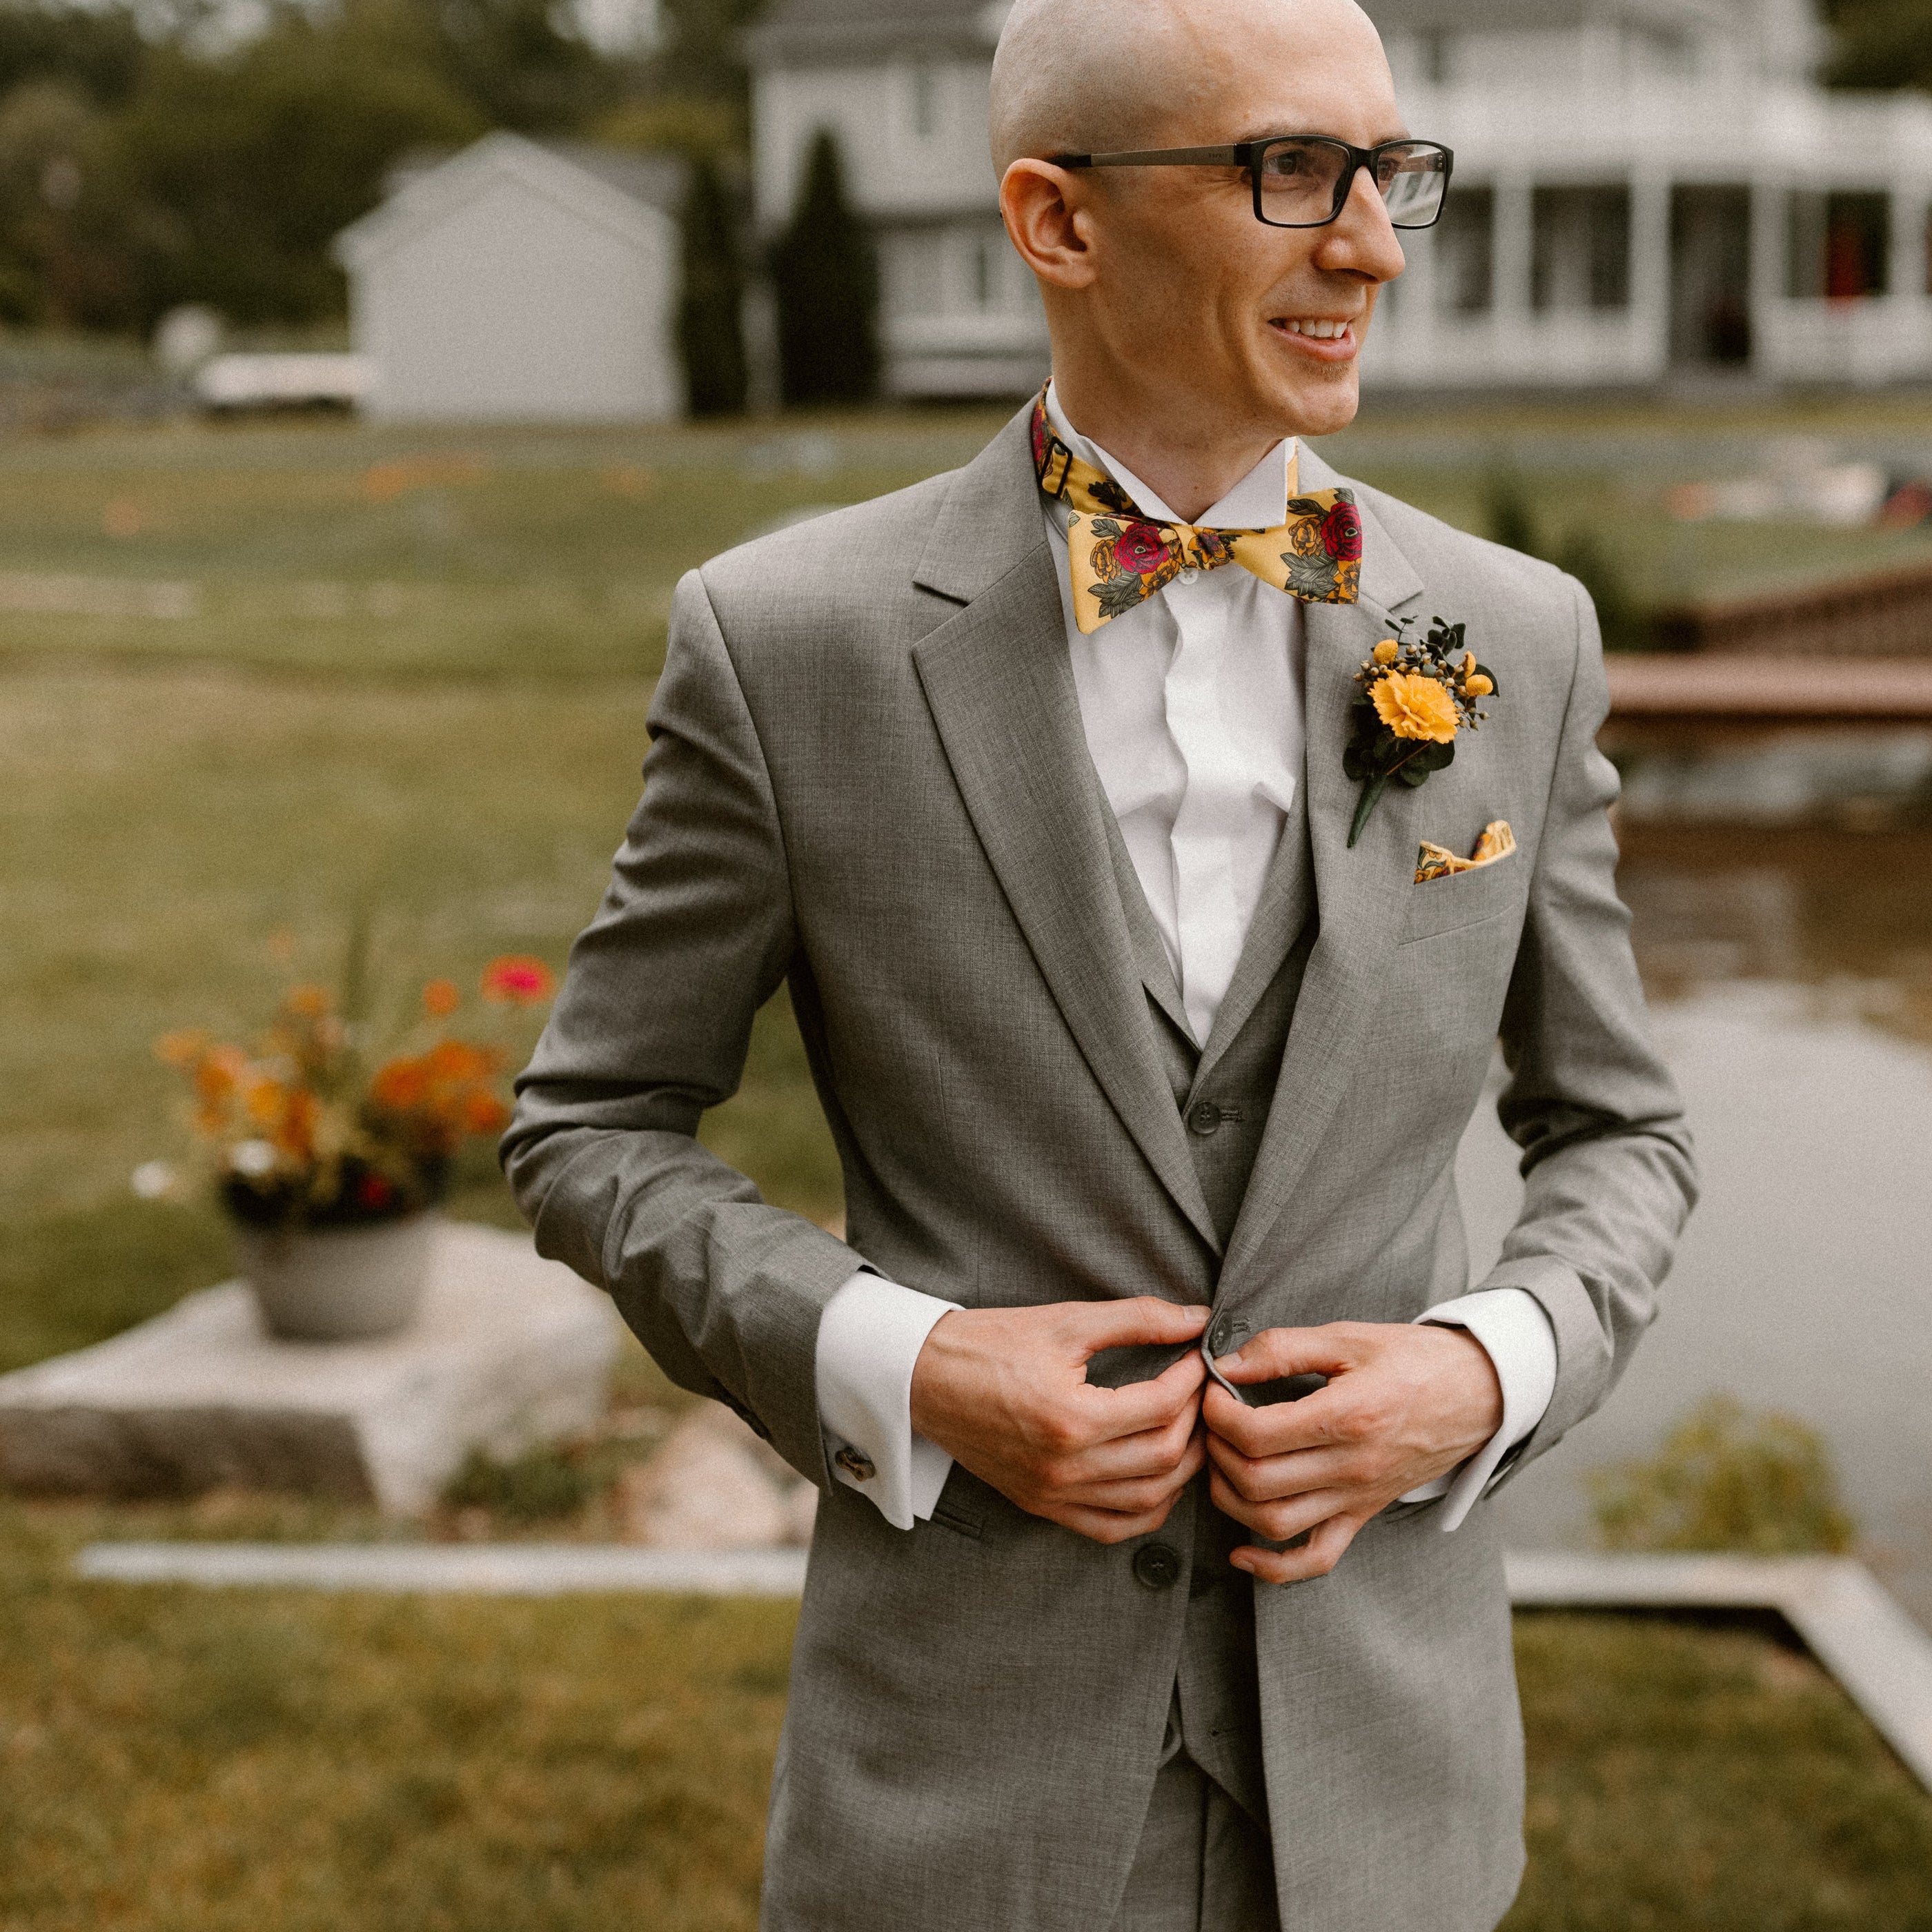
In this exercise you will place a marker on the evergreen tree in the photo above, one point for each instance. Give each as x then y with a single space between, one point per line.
709 337
826 278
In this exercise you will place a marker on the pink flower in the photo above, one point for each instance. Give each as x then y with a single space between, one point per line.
517 980
1141 549
1341 533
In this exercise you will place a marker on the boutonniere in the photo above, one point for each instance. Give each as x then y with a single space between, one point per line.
1416 695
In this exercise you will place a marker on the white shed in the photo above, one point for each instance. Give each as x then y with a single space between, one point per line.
518 282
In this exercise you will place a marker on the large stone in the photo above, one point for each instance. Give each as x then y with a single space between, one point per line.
714 1485
508 1351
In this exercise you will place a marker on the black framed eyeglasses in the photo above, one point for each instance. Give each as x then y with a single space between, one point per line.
1303 181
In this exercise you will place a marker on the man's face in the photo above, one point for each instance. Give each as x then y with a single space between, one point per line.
1265 324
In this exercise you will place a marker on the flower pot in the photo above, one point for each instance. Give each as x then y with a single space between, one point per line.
338 1284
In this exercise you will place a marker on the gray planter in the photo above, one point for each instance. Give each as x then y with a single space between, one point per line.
338 1284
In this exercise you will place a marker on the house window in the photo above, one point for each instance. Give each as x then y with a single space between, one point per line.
1580 248
1839 246
1465 251
924 102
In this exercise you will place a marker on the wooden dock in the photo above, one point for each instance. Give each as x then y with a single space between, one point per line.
1732 688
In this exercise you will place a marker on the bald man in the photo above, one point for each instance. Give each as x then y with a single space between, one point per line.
1153 1586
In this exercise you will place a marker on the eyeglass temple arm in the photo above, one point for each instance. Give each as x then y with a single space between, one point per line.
1159 157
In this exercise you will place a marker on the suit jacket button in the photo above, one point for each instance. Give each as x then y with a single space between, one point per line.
1157 1565
1227 1335
1204 1118
860 1468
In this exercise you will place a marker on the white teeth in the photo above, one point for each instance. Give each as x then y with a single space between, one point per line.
1322 332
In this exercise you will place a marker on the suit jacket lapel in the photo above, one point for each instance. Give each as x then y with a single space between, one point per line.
1361 893
999 687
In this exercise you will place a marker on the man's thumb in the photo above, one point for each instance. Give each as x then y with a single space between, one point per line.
1140 1319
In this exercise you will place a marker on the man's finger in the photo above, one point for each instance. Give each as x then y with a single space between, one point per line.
1264 1478
1277 1352
1316 1421
1316 1557
1139 1406
1152 1453
1144 1492
1107 1526
1140 1319
1281 1519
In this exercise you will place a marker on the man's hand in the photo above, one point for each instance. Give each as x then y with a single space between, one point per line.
1004 1390
1403 1405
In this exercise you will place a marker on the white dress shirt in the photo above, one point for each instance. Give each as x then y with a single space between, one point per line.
1191 706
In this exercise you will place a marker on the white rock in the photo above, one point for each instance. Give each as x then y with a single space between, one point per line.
508 1351
714 1485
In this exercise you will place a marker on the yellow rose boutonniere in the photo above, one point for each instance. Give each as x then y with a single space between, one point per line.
1416 695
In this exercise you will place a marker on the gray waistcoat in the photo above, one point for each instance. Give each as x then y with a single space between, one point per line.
1224 1090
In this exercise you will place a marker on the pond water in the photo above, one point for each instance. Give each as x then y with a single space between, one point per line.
1782 894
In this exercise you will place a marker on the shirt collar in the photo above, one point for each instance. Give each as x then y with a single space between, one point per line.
1259 502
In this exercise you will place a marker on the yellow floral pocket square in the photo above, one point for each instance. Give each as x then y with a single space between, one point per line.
1438 862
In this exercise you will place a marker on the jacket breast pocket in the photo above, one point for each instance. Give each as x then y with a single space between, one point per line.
1464 899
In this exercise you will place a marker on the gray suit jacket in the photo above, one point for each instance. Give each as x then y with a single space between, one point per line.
867 777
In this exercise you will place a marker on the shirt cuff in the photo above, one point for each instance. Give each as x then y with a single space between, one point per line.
869 1336
1512 1327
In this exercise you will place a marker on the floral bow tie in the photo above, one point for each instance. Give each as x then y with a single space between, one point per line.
1118 558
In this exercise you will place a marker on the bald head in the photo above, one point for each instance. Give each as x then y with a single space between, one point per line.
1091 75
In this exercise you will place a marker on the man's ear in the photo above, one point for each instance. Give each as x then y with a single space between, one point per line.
1047 216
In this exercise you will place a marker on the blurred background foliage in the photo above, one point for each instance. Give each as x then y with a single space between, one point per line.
151 155
1727 1478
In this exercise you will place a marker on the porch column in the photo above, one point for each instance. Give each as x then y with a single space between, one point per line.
1650 273
1770 240
1510 268
1906 290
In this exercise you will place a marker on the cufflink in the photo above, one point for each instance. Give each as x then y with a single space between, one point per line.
858 1466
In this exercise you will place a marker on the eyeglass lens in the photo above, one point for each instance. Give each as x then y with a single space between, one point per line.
1299 179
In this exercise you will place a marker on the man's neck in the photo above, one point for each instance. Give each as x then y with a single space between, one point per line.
1191 471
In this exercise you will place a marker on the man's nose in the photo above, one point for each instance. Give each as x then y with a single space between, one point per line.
1361 239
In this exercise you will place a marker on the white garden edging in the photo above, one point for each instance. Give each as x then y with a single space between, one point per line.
1882 1659
1869 1645
490 1570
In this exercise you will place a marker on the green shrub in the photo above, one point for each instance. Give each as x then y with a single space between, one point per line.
1727 1479
1513 523
539 1486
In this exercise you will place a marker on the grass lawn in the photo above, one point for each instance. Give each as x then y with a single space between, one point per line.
258 679
175 1760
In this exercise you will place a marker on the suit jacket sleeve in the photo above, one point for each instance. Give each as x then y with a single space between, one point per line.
652 1027
1607 1158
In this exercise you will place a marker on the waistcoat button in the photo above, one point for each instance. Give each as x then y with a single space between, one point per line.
1157 1565
1204 1118
1227 1334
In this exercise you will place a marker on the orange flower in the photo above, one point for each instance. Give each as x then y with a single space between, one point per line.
218 1073
399 1085
310 1002
295 1131
441 998
450 1060
1412 706
267 1100
518 980
483 1113
183 1048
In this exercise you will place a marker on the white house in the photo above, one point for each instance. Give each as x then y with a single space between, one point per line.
518 282
1643 190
